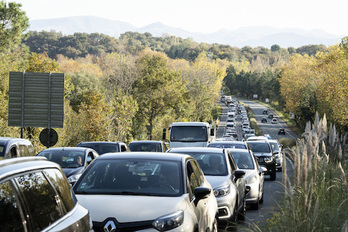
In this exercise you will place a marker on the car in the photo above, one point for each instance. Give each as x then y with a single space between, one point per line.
227 181
36 196
265 157
268 136
274 121
254 138
229 144
147 191
15 147
73 160
281 131
264 120
270 116
277 150
103 147
265 112
254 176
148 145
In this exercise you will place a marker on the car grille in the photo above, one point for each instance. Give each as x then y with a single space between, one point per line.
120 227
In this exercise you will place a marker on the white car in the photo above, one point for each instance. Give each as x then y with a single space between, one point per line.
147 191
277 150
227 180
274 121
254 176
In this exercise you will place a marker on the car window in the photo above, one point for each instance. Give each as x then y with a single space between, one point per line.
191 179
2 148
260 147
66 159
243 160
211 163
45 211
123 148
10 217
232 162
62 187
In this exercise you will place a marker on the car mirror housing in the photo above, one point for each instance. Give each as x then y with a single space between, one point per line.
239 174
202 192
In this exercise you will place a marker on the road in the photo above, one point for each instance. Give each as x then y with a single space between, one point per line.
273 190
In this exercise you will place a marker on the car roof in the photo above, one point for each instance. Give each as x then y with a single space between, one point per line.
197 149
5 140
144 155
146 141
227 142
99 142
13 166
67 149
258 141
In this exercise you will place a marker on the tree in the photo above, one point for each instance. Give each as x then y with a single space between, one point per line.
13 22
157 91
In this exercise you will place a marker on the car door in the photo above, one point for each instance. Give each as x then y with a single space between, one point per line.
240 183
195 179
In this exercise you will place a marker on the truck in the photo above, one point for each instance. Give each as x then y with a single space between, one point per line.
190 134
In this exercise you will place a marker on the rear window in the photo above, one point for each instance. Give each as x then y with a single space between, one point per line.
101 148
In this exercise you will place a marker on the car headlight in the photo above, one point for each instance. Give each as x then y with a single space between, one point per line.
74 178
268 159
251 180
222 191
169 221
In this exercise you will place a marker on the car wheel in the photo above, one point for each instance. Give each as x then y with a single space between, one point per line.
241 214
255 206
273 175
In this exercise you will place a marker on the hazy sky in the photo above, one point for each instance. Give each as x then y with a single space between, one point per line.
202 15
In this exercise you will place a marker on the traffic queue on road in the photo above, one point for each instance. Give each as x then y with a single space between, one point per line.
147 185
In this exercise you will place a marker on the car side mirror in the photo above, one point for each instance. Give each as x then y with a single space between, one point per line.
201 193
263 170
239 174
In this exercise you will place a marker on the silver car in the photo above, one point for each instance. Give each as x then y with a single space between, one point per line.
147 191
254 176
277 150
36 196
221 171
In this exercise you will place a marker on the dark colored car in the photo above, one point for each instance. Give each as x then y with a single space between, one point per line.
270 116
148 145
281 131
265 156
103 147
264 120
73 160
36 196
265 112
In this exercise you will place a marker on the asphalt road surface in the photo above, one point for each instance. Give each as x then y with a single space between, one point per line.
273 190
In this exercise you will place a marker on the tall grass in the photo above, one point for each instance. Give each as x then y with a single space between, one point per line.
316 198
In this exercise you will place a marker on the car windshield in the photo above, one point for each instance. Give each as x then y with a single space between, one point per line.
132 177
101 148
65 158
138 146
274 146
260 147
188 134
227 145
212 164
243 159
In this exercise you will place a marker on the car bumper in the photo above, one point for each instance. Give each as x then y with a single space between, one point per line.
253 192
226 206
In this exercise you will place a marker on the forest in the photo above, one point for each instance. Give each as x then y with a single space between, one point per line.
131 87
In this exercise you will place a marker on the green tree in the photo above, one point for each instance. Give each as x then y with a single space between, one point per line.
157 91
13 22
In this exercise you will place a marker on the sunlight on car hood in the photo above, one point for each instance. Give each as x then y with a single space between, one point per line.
131 208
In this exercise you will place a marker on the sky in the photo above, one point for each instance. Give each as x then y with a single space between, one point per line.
202 15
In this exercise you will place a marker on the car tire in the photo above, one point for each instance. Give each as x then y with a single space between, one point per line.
273 174
256 205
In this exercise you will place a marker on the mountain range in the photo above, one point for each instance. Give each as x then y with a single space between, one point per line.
246 36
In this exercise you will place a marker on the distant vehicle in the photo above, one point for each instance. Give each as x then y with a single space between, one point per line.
147 191
281 131
230 144
103 147
190 134
15 147
277 151
265 157
73 160
270 116
274 121
36 196
227 180
148 145
256 138
254 176
267 136
265 112
264 120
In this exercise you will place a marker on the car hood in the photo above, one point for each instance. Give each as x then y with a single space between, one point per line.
72 171
218 181
130 208
262 154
